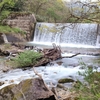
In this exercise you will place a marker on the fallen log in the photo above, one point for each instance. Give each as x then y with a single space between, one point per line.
49 55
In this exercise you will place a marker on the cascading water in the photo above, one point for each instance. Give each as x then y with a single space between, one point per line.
66 33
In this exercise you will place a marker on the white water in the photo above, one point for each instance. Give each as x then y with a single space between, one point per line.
67 34
68 69
49 74
62 45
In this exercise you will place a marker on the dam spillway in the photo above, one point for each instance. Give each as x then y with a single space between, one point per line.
67 33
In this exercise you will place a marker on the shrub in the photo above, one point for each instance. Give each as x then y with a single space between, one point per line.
26 59
90 88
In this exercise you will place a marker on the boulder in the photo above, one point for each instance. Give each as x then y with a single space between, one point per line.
30 89
66 80
4 53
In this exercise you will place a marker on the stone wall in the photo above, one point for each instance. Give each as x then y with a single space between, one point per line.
23 21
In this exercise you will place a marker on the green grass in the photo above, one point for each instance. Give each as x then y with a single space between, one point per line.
7 30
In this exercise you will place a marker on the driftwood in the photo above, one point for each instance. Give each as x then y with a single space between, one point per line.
49 55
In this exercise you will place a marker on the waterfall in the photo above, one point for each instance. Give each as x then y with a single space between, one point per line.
67 33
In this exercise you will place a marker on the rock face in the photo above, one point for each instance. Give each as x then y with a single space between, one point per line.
31 89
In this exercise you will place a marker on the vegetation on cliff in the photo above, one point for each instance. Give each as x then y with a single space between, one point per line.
7 29
6 7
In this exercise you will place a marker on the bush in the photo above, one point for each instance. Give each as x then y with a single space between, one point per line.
26 59
90 89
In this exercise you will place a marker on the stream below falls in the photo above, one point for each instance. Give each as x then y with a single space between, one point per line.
51 73
74 38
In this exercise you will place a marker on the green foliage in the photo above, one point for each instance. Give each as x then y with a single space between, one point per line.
40 18
5 8
4 14
7 29
26 59
18 5
90 89
48 10
89 12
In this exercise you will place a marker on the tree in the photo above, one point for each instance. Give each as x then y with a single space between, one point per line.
48 10
18 6
5 8
85 11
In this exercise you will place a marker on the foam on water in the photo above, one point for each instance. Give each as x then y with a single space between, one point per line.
62 45
49 74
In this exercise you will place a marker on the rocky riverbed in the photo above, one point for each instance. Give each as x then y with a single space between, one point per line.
64 68
52 74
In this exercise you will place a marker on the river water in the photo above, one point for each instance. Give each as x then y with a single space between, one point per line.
51 73
79 38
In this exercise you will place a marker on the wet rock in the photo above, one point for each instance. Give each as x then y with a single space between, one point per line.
65 80
66 94
5 70
31 89
59 63
1 83
4 53
61 86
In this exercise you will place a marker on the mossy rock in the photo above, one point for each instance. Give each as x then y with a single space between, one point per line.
65 80
30 89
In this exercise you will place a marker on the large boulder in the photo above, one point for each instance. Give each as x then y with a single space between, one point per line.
30 89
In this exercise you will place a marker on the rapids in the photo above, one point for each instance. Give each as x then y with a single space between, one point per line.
52 72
